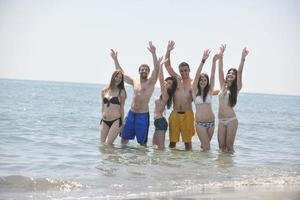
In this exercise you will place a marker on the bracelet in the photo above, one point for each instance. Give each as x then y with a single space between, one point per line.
203 61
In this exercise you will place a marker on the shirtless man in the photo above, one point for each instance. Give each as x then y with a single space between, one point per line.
181 119
137 120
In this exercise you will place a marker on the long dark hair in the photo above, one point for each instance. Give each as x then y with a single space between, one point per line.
171 91
121 84
206 89
233 88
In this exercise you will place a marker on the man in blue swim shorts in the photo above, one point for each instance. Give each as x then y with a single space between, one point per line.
136 123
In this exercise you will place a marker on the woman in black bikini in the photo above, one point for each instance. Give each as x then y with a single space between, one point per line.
113 100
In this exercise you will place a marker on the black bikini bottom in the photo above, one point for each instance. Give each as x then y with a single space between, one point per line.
110 123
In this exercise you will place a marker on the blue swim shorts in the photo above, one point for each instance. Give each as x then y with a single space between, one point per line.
161 124
136 125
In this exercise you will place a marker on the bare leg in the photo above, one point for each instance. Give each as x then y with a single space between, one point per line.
124 141
104 129
159 139
172 144
203 137
211 132
222 137
231 133
188 146
113 132
154 140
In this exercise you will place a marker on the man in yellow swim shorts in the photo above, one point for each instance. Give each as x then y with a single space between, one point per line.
181 120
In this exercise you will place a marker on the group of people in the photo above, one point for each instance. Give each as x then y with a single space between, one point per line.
181 91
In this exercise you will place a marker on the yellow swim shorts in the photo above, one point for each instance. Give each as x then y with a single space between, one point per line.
181 123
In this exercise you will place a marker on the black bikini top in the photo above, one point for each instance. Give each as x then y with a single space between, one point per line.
113 100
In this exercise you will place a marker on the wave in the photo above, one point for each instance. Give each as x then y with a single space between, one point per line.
238 189
189 188
38 184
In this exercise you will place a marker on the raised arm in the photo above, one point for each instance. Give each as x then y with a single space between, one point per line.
154 75
168 66
197 77
161 78
212 73
240 70
221 71
114 55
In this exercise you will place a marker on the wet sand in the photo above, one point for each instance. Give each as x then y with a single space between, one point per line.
251 193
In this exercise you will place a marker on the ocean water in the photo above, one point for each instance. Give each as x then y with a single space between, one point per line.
50 149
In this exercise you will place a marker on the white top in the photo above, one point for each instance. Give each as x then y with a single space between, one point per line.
199 99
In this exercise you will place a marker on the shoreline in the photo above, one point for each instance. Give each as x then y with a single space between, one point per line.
290 192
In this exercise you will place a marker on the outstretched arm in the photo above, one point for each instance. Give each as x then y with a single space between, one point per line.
240 70
154 74
122 104
212 73
170 70
161 75
221 71
197 77
114 55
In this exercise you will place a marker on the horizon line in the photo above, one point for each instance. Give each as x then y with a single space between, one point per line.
93 83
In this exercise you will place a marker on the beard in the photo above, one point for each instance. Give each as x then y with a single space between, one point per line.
144 75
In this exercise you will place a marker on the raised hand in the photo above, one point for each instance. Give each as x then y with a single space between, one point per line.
205 54
151 47
222 49
114 54
216 57
170 46
245 53
161 61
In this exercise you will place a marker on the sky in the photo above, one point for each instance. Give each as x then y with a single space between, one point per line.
70 40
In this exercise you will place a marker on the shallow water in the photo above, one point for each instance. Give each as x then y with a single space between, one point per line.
49 149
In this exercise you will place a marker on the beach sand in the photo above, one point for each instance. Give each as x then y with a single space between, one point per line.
252 193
